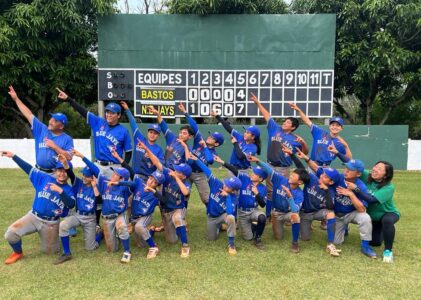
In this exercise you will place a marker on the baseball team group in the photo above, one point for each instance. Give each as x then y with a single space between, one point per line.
116 194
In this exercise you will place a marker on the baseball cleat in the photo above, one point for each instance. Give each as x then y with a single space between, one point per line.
185 252
152 253
295 248
368 251
126 257
62 258
388 256
331 249
14 257
232 250
258 243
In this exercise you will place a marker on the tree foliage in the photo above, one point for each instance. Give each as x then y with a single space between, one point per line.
206 7
45 44
378 57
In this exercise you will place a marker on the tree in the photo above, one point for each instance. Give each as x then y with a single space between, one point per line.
205 7
378 57
46 44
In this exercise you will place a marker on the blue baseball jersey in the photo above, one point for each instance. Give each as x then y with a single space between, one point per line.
85 197
46 157
217 204
279 196
177 150
321 141
247 198
276 137
114 198
314 196
174 198
144 202
205 154
343 204
47 203
247 149
108 138
142 164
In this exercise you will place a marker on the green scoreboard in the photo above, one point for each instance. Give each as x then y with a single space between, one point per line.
216 62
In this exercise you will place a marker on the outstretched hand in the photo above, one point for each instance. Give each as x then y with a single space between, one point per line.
77 153
252 158
182 108
12 93
124 105
332 148
293 106
6 153
254 98
153 110
286 150
218 159
61 95
287 191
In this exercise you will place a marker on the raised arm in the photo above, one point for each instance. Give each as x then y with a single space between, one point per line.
224 123
57 149
201 165
184 190
230 167
294 158
76 106
94 169
307 159
157 163
348 152
66 166
123 163
344 158
192 123
306 120
19 161
262 109
265 166
132 121
26 112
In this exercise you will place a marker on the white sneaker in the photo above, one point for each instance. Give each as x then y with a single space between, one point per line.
152 253
126 257
388 256
185 252
331 249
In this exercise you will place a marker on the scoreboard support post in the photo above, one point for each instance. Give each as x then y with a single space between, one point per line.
101 111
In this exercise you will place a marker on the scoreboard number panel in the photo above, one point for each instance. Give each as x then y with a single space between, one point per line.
226 92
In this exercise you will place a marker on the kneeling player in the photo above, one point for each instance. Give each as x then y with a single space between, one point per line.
115 202
287 198
252 194
53 196
221 205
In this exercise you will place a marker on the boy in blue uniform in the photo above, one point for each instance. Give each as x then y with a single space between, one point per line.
114 205
277 136
287 199
53 196
145 198
252 194
176 190
322 139
109 135
221 205
142 165
87 197
49 141
204 150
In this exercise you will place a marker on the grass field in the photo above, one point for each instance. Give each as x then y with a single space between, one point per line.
210 272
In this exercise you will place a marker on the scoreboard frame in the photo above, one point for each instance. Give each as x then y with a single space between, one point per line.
227 92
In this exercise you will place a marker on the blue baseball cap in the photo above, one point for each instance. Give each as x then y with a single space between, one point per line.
154 127
332 173
122 172
337 120
87 172
254 130
113 107
59 117
355 165
218 137
260 172
59 165
184 169
159 177
233 183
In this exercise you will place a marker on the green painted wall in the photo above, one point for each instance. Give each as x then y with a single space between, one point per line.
217 41
368 143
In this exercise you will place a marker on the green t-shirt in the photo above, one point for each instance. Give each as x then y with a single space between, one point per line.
384 195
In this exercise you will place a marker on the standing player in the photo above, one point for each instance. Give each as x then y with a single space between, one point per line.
52 197
175 152
109 135
221 205
277 136
176 190
204 150
252 194
49 141
114 206
318 202
322 139
287 200
347 206
244 144
87 198
142 165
